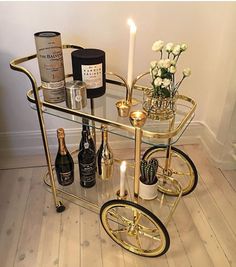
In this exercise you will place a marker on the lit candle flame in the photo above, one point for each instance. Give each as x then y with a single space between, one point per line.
132 25
123 166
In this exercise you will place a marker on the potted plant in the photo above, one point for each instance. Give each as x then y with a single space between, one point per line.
160 98
148 179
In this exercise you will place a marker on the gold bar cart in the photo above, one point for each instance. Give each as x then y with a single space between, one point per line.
129 222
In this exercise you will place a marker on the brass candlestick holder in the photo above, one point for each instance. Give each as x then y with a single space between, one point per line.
122 197
123 108
138 118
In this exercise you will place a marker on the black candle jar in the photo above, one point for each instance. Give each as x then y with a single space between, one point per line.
89 66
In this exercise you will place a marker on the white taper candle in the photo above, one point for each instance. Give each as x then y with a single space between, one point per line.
132 36
122 178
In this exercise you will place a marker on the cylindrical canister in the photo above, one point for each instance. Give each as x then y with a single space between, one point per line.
89 66
76 97
51 67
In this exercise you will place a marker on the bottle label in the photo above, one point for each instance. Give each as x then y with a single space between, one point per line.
54 95
51 67
87 171
66 177
92 75
53 85
50 58
86 145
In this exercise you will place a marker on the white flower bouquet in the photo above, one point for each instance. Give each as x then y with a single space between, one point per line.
163 71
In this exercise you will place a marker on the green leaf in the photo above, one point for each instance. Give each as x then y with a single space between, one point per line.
165 92
165 74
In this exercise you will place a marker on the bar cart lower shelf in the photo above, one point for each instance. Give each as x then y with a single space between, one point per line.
130 221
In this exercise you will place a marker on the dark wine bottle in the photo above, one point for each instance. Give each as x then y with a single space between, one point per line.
90 138
64 164
87 161
105 157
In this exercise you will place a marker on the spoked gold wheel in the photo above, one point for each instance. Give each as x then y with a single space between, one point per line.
134 228
180 168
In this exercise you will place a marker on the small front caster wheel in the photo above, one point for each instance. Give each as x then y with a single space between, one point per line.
134 228
60 207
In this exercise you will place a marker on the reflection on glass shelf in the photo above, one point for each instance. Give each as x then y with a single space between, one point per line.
101 192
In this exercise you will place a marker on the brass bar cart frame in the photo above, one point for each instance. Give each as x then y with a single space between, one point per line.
132 227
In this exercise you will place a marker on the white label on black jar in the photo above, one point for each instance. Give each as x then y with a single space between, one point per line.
92 75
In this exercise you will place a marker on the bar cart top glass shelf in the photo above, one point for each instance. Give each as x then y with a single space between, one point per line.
103 110
129 222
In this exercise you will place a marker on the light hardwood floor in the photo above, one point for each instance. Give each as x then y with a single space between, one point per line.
202 230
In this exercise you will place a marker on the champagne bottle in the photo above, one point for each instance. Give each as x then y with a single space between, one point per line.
64 164
105 157
87 161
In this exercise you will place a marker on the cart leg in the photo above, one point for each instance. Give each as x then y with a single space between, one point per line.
93 122
138 141
59 206
168 150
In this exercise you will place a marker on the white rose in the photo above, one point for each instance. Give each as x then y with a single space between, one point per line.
173 62
155 72
157 46
167 63
161 63
150 70
187 72
176 50
183 47
159 72
172 69
166 82
158 81
153 64
169 47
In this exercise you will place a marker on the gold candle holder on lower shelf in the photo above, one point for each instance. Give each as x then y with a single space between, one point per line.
123 108
121 197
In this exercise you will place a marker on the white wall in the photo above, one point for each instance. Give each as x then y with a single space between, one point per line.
207 27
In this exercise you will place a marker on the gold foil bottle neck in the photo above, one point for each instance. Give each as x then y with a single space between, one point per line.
61 141
60 133
104 132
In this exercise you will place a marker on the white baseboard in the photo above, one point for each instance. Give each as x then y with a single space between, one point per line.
220 154
30 143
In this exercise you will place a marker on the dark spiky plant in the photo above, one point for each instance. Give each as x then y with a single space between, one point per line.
148 171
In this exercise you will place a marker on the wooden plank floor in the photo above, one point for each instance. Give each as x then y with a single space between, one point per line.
202 230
